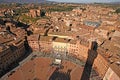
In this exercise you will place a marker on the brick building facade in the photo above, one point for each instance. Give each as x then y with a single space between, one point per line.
78 49
10 54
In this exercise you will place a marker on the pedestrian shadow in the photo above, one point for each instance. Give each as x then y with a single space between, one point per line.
92 54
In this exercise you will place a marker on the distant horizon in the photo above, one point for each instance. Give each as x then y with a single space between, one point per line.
63 1
86 1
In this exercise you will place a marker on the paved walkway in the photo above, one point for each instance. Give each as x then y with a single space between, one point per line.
70 58
67 57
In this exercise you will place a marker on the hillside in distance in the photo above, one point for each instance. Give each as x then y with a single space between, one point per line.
22 1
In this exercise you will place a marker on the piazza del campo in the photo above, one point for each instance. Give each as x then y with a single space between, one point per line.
49 40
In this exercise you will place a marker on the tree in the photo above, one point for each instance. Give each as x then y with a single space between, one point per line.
117 10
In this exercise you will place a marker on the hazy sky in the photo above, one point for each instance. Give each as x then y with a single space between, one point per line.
81 1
